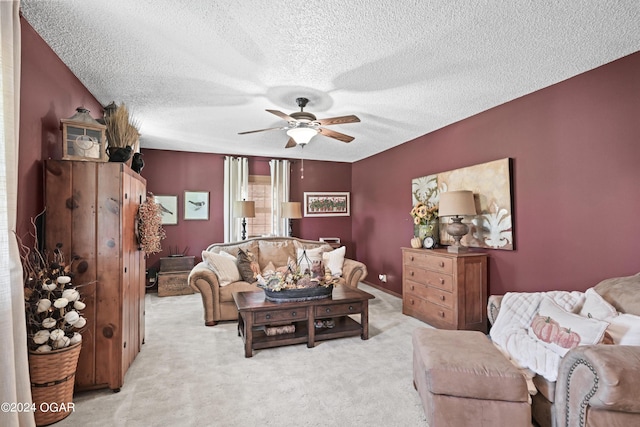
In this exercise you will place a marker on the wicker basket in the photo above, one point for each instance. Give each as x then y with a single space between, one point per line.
53 375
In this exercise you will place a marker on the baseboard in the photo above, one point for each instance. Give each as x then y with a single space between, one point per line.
380 288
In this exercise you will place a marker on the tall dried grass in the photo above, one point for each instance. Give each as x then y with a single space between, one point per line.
122 129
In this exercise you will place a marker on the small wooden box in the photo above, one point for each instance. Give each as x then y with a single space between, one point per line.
173 283
178 263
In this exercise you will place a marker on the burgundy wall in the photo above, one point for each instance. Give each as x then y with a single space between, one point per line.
576 180
172 172
49 92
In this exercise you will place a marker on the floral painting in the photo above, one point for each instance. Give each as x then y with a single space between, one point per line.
491 185
326 204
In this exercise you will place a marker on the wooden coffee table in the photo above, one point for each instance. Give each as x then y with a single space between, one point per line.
255 313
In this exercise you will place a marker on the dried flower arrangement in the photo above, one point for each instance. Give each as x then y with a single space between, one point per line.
150 229
52 303
291 277
122 129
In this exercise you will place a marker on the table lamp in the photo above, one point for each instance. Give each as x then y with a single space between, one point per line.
457 204
291 210
244 209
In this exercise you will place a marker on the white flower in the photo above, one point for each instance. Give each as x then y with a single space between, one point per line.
80 322
71 317
76 338
79 305
63 280
49 323
41 337
70 294
56 334
61 302
43 305
43 348
48 286
62 342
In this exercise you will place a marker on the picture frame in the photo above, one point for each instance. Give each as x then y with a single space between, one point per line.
328 203
168 208
196 205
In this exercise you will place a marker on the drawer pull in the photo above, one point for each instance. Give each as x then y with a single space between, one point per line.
350 308
411 273
413 287
268 316
328 310
411 301
293 314
441 313
441 263
442 297
441 281
411 258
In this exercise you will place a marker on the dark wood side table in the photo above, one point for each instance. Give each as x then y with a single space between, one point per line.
172 278
255 313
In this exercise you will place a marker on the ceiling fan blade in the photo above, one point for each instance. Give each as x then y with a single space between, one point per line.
282 115
290 143
338 120
336 135
259 130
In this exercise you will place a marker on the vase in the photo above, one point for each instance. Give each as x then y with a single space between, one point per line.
53 376
431 228
120 154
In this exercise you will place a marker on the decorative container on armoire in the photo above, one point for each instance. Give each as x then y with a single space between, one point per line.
91 208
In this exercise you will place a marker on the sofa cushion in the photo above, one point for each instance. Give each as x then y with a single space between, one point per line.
545 387
334 259
622 292
625 329
276 252
563 330
595 306
226 293
247 265
224 265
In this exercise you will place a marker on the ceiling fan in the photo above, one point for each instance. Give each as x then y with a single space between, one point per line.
302 125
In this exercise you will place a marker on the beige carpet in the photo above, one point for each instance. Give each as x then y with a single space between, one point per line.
191 375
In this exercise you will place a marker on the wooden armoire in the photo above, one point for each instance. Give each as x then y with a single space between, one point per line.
91 209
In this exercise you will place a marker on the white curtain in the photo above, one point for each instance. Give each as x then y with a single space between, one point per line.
236 186
14 386
280 178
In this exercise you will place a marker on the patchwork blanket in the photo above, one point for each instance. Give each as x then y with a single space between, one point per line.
509 331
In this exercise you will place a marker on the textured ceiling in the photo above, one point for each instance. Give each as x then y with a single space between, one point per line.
197 72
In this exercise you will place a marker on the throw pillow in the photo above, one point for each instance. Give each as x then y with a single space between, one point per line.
560 330
269 268
224 265
276 252
311 259
596 307
625 329
247 266
334 259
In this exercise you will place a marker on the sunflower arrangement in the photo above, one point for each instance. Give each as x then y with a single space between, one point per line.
422 213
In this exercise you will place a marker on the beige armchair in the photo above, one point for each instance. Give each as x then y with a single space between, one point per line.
218 300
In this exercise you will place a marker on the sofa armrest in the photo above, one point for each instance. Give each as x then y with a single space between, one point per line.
203 280
353 272
603 377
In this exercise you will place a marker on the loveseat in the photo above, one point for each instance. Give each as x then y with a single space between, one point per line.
596 385
216 284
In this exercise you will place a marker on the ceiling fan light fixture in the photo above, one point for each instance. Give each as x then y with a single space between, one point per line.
302 134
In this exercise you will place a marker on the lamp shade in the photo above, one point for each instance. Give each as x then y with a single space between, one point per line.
302 134
244 209
456 203
291 210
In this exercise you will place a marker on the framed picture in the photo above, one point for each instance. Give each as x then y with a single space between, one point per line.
168 209
326 204
196 205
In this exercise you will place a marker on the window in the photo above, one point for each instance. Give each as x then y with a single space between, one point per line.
260 193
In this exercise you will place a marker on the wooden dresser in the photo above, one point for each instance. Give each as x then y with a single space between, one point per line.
445 290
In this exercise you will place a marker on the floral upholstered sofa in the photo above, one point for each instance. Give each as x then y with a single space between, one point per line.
592 384
232 267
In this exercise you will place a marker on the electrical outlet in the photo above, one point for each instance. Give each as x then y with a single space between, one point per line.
383 278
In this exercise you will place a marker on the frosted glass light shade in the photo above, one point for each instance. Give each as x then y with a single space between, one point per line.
302 135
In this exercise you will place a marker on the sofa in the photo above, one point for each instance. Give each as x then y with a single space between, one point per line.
217 284
597 384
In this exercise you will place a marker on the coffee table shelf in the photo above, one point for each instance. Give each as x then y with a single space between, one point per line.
255 312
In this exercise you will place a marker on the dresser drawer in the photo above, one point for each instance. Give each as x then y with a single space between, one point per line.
338 309
294 314
430 294
435 315
431 278
429 261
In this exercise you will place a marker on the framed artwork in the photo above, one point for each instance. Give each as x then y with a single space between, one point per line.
196 205
326 204
168 209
